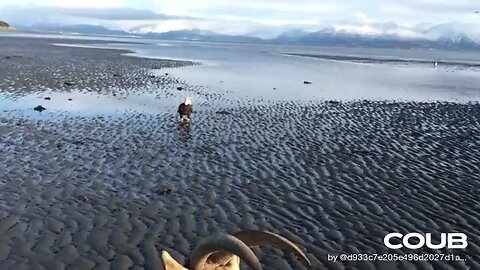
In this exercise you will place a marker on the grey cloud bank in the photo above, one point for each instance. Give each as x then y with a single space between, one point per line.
128 14
25 15
403 19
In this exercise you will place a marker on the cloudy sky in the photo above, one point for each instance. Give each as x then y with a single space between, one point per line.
264 18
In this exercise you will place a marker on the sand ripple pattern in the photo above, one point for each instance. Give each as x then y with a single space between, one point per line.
100 193
30 65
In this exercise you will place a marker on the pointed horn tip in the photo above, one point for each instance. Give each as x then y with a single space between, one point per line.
260 237
165 254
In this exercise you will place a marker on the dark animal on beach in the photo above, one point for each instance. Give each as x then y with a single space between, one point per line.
224 251
185 110
39 108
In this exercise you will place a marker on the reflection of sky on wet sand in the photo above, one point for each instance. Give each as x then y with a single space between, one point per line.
249 70
337 80
185 132
265 73
86 103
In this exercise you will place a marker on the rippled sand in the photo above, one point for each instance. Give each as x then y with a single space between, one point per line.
30 65
112 192
332 177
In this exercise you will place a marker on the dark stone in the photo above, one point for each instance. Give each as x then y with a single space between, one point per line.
85 199
179 88
223 112
166 74
69 99
69 83
47 98
165 191
152 76
307 82
39 108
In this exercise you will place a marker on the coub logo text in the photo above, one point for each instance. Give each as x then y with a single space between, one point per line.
417 240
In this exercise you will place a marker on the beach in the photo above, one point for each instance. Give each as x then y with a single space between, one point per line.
113 191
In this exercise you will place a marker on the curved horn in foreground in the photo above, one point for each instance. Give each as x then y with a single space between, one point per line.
169 263
255 238
222 242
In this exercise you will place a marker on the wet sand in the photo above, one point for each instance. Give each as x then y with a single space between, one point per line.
34 64
100 192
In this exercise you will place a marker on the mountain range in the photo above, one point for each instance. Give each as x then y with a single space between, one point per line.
331 37
446 37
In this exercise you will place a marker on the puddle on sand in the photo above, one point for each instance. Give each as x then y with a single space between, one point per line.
85 103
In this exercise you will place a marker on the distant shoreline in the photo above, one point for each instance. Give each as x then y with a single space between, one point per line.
377 60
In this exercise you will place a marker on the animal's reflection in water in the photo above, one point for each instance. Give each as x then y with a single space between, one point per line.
185 132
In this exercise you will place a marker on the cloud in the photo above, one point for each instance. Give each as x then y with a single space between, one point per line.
221 27
365 25
121 13
265 18
435 6
85 3
106 13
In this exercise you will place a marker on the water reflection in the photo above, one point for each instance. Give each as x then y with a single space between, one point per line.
278 72
86 103
185 131
265 72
